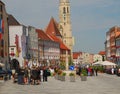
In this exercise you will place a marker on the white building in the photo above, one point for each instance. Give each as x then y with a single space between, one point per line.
77 58
86 58
49 49
97 57
15 43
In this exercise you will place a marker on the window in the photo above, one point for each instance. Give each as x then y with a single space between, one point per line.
1 8
67 10
1 16
64 18
64 41
12 49
64 10
64 34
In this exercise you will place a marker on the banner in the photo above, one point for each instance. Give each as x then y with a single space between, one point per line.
1 26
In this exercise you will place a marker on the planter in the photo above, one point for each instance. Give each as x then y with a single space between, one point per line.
59 77
83 78
72 78
62 78
56 76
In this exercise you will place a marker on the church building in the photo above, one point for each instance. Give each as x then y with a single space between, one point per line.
65 23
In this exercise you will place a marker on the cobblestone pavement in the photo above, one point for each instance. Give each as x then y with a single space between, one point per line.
102 84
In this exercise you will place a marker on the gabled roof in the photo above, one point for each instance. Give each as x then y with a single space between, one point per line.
12 20
102 53
2 2
76 54
42 35
52 28
56 39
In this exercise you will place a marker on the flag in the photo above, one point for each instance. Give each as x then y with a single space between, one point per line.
0 25
17 54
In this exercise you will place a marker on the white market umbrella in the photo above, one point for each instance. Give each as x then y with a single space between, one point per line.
97 63
108 63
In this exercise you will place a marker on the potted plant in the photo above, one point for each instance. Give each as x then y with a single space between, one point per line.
72 77
63 76
59 74
83 75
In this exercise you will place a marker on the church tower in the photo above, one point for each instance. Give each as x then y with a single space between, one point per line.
65 23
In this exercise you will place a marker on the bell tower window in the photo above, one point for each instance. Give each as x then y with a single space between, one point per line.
67 10
64 10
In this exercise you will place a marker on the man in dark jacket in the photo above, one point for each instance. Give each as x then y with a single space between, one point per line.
45 74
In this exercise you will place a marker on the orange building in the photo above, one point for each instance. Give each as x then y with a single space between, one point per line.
111 43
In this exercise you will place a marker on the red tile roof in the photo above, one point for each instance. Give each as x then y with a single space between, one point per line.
42 35
56 39
52 28
76 54
102 53
52 31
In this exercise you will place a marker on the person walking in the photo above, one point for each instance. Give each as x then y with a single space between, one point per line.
29 76
112 70
45 74
96 71
26 75
41 74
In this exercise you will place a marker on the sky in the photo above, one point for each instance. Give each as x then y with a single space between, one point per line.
90 19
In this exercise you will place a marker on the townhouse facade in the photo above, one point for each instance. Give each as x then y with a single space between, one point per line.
77 58
91 58
16 38
49 50
4 49
32 45
97 58
84 58
112 43
118 50
53 31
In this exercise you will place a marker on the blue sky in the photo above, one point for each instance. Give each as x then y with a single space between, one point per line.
91 19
